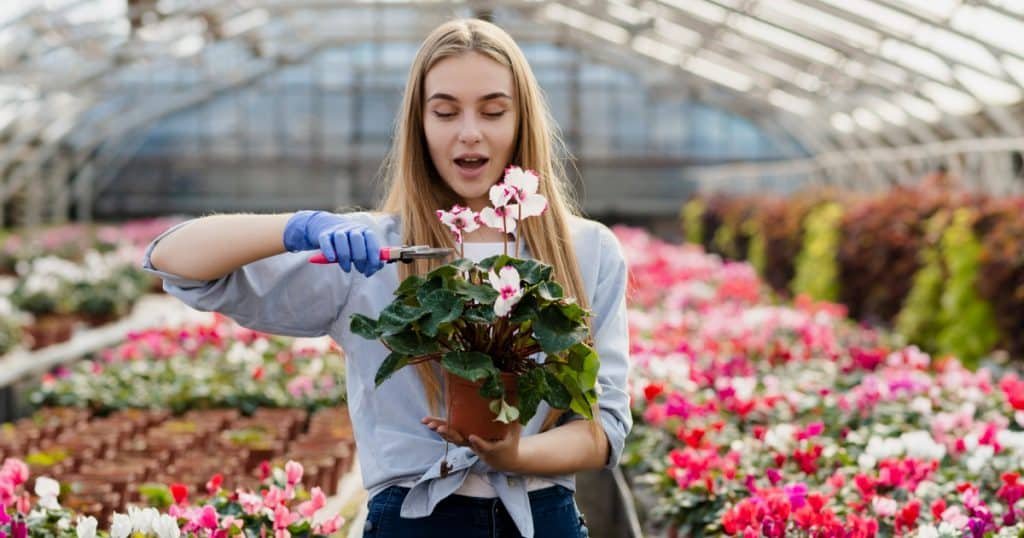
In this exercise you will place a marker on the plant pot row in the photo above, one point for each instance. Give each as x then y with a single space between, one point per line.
104 460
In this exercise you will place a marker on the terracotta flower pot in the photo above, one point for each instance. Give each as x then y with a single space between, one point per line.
469 413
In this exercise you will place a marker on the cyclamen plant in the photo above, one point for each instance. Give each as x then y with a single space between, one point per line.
480 320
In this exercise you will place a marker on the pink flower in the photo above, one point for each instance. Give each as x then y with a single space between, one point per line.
251 503
284 517
330 526
316 502
293 471
501 194
14 471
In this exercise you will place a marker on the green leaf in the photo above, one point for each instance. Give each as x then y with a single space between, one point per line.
555 332
480 294
524 310
411 343
583 359
445 272
494 262
409 286
391 364
364 326
557 395
480 314
550 291
463 264
532 388
493 387
444 307
532 271
397 317
428 287
471 365
572 311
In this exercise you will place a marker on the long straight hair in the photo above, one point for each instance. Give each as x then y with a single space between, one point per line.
415 190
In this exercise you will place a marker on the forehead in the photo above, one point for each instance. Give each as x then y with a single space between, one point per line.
467 77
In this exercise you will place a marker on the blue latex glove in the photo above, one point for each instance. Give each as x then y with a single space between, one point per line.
342 239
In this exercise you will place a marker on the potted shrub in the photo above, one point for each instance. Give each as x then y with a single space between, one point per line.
486 322
43 292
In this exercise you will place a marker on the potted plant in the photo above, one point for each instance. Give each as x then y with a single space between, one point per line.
43 292
487 323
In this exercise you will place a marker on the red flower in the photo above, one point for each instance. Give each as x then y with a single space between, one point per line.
652 390
906 518
213 486
937 508
180 493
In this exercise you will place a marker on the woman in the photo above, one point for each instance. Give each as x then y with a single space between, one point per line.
472 107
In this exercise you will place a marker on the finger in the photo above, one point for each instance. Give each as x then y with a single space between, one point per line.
340 241
452 435
374 263
358 245
480 445
435 419
326 247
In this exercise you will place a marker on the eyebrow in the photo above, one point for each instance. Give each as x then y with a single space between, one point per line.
488 97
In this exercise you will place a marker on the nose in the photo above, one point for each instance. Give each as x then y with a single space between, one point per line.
469 132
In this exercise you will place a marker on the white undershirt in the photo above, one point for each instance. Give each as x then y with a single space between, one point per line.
476 485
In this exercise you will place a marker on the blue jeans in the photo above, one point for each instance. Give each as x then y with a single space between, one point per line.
554 516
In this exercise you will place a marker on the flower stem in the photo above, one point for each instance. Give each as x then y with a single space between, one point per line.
504 237
520 206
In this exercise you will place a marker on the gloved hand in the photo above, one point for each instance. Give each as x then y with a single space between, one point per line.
341 238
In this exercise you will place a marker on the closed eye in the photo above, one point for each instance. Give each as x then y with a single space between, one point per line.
494 114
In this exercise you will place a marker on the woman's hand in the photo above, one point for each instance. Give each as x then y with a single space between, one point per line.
340 238
502 455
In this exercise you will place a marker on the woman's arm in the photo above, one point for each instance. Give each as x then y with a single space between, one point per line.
576 446
211 247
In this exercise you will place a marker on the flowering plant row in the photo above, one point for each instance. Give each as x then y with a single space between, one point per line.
756 419
280 507
219 364
875 256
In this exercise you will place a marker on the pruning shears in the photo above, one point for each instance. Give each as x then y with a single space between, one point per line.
399 254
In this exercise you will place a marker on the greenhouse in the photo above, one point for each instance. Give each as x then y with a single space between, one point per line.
608 268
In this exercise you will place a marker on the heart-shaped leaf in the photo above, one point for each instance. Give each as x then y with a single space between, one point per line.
471 365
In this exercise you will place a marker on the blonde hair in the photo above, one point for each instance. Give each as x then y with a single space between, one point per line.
414 189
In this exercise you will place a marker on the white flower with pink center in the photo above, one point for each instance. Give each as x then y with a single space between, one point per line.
506 283
459 220
503 218
523 184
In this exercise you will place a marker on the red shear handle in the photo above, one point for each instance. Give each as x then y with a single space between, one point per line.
385 256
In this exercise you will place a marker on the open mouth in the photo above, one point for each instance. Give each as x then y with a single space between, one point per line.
471 164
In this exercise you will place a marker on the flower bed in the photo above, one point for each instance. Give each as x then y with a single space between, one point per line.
756 419
218 364
73 274
279 504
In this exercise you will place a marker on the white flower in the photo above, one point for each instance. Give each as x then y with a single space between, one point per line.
927 531
919 444
142 520
780 437
459 220
507 285
501 218
979 458
47 490
524 186
501 194
86 527
121 526
884 506
166 526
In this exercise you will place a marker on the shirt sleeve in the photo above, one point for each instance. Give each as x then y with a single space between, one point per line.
611 341
282 294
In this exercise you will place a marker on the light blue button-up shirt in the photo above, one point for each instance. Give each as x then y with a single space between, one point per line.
287 295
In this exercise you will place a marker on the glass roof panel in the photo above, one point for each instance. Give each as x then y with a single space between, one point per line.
804 16
934 9
916 59
918 107
891 20
988 89
952 101
787 40
990 26
700 8
959 48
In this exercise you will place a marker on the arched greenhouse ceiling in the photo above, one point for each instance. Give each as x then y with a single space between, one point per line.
840 76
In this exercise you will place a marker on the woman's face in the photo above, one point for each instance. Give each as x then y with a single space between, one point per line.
469 117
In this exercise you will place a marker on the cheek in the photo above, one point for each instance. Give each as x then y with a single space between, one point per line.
436 138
